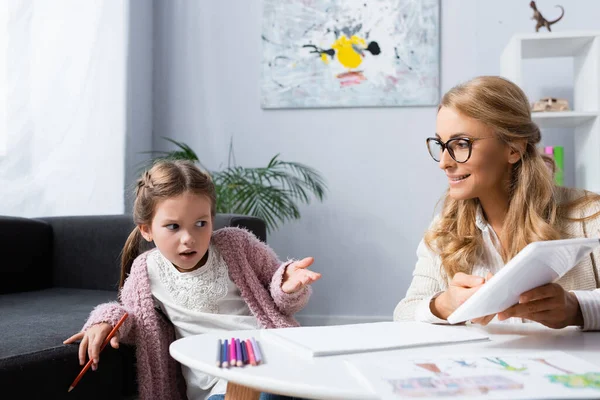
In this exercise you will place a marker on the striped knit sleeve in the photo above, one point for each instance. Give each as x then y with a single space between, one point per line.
589 301
426 283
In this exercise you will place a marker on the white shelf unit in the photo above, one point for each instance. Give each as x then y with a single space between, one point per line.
584 48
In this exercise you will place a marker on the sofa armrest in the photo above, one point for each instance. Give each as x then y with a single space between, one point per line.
253 224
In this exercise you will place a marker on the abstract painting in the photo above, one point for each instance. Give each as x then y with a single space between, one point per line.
350 53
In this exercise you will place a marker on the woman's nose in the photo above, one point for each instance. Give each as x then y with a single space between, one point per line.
446 161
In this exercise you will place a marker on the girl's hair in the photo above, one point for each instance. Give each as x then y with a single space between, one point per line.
534 210
166 179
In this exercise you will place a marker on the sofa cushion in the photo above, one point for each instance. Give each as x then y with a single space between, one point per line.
25 245
33 358
87 250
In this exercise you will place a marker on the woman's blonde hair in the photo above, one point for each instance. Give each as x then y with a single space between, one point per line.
166 179
534 210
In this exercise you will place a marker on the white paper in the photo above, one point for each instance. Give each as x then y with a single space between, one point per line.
542 375
537 264
355 338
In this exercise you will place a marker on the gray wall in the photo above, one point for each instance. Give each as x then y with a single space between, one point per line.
383 185
139 93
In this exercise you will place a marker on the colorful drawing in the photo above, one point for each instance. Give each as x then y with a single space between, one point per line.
485 376
431 367
591 380
350 53
422 387
465 364
543 361
505 365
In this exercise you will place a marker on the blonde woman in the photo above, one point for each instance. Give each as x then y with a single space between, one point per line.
501 197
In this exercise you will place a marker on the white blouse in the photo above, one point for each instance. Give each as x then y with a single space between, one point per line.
201 301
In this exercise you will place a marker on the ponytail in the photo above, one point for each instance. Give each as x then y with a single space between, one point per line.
129 253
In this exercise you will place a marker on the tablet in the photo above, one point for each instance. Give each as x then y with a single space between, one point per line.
537 264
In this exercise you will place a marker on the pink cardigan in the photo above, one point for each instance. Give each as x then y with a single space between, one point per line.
253 267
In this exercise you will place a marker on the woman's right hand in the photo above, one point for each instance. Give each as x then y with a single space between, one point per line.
91 342
460 289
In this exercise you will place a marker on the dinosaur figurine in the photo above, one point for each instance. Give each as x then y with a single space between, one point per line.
541 21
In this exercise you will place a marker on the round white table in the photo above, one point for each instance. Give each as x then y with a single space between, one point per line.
284 372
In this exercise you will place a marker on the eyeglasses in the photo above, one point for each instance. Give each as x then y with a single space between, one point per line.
458 148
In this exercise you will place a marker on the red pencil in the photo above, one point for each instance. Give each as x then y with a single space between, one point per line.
89 363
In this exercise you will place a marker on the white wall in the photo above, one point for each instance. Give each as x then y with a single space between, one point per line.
65 111
383 185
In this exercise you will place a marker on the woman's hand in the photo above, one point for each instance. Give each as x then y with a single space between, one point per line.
91 342
550 305
460 289
484 320
297 275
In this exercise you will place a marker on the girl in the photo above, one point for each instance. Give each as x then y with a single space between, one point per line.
501 197
194 281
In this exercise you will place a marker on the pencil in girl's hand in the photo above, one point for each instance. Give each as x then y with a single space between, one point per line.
257 352
238 350
106 341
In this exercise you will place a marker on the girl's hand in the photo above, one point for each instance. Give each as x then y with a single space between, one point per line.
460 289
91 342
297 275
550 305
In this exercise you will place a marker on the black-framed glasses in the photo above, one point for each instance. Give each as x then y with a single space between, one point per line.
459 148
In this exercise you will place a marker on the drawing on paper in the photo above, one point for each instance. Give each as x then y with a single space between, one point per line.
459 386
551 374
590 380
505 365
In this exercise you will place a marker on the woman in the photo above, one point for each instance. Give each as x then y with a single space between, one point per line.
501 197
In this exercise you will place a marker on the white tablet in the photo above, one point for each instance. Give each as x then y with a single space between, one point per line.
537 264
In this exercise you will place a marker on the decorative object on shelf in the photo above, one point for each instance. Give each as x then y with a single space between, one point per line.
556 153
271 193
542 22
350 53
550 104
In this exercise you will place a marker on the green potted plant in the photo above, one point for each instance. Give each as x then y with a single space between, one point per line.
271 193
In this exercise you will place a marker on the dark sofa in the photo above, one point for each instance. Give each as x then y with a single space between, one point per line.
53 272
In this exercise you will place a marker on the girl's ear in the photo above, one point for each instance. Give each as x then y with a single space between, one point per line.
146 232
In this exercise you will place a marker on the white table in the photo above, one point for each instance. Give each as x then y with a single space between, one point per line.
286 373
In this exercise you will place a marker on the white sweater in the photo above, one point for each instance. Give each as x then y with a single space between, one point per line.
429 278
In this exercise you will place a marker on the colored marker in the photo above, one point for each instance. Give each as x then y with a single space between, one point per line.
244 352
250 353
257 352
225 355
220 353
233 355
238 352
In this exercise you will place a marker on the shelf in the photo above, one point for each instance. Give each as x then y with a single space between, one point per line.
554 44
562 119
584 48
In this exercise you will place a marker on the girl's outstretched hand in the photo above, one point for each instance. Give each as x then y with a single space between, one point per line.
297 275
